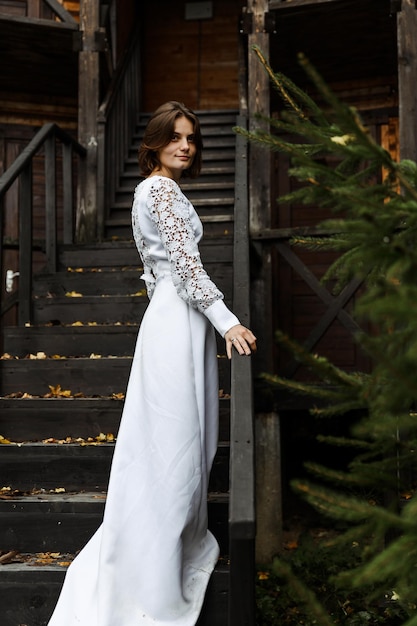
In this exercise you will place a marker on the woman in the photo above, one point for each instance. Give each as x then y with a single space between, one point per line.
151 559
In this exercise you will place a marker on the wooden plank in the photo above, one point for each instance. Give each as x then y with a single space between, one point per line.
20 583
275 5
90 309
41 418
24 419
67 184
242 514
25 245
407 78
88 101
80 375
50 205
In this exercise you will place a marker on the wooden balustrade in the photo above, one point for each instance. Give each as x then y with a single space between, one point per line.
242 445
117 119
45 139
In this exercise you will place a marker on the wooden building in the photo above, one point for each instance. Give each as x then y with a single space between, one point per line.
77 81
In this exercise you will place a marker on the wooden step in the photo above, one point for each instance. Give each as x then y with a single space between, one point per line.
101 309
209 172
104 339
109 283
112 254
64 522
75 467
90 376
31 591
25 419
214 225
90 282
206 190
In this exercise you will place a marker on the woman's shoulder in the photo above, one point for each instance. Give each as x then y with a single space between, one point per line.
157 181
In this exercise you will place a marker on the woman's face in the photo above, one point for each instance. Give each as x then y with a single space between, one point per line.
178 155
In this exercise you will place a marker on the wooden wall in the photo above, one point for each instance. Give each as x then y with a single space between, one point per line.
297 309
195 62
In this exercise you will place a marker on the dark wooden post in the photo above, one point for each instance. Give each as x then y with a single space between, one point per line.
50 205
25 246
268 444
407 78
88 101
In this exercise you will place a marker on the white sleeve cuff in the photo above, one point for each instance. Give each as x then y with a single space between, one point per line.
221 317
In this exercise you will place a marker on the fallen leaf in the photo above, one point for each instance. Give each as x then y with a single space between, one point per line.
38 355
73 294
7 557
3 440
57 392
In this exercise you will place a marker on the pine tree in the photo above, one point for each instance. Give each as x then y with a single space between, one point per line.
374 203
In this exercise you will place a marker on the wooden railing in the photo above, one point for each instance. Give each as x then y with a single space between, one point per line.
21 170
242 445
117 119
60 11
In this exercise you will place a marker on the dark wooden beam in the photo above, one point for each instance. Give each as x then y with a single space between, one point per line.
280 4
88 101
407 78
259 164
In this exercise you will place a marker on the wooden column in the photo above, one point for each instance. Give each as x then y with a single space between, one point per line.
407 78
88 101
268 444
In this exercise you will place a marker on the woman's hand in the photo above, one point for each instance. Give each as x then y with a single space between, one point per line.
241 338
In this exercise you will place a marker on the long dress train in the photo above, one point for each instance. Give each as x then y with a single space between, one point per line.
150 561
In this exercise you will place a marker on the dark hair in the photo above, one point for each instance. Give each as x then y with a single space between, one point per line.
159 132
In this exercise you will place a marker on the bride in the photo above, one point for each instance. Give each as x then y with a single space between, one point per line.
150 561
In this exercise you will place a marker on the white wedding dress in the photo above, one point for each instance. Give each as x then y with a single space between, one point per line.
150 561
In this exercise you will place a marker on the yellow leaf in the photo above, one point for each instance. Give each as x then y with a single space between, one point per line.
73 294
77 324
142 292
57 392
59 490
38 355
95 356
3 440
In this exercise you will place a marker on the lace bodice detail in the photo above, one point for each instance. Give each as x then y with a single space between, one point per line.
166 227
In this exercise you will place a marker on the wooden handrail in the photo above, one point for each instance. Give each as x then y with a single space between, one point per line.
60 11
242 514
21 171
116 122
10 175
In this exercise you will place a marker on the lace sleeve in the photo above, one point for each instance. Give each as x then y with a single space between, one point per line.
170 211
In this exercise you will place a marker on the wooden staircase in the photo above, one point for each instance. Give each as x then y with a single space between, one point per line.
86 316
212 193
